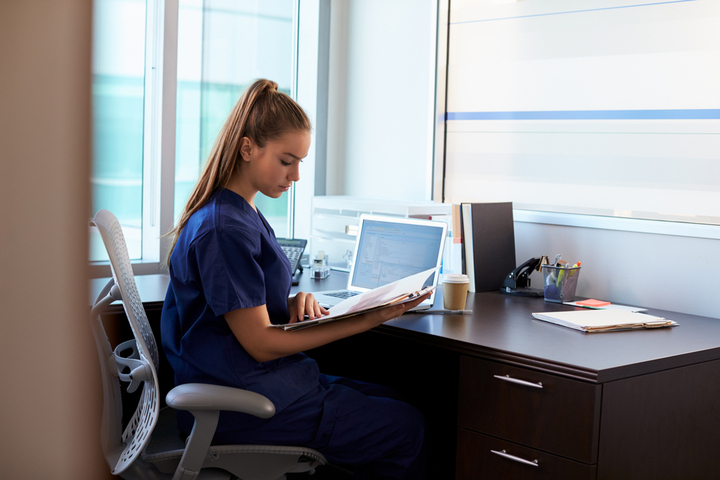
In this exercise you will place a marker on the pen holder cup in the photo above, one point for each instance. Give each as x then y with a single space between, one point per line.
560 283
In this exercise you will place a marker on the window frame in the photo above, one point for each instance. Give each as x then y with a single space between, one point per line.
159 134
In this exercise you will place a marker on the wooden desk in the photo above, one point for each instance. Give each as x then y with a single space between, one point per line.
624 405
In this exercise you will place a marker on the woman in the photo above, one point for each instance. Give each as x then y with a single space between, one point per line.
229 281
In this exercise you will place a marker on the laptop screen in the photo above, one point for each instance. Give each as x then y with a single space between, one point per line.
389 249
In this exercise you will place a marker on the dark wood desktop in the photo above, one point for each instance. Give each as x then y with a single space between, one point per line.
507 396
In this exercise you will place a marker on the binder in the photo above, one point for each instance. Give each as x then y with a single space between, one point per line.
489 244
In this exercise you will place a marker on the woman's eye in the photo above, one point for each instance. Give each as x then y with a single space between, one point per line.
287 164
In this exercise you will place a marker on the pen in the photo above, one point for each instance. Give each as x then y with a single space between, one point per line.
573 272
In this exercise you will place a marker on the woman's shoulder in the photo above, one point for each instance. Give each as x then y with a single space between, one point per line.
221 215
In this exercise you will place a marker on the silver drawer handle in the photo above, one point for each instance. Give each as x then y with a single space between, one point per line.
504 454
508 378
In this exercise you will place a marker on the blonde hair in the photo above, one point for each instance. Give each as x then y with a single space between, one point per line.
261 114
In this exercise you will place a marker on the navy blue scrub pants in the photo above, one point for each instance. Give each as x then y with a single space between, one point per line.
355 424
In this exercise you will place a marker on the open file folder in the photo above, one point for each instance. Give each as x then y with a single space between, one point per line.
591 321
400 291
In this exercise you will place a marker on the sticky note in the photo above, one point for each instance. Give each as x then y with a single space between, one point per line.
591 302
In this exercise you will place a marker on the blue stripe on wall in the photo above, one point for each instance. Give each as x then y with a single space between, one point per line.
572 11
681 114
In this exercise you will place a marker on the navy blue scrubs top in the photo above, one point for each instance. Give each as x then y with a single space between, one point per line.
226 258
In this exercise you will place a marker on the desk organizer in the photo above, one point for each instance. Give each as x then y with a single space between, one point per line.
560 283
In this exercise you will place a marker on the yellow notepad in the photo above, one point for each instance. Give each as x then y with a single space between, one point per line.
590 321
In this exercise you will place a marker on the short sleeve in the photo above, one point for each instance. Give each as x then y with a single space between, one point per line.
229 272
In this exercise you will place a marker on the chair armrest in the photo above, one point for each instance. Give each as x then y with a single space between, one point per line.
205 402
199 397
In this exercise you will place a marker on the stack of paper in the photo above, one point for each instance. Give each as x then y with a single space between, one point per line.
604 320
599 304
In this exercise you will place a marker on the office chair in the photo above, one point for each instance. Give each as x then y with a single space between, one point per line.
150 447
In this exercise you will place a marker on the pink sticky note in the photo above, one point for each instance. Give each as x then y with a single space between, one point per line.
591 302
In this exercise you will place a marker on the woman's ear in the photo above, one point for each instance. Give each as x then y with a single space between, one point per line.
247 147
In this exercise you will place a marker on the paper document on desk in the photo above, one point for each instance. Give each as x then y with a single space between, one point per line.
611 306
591 321
401 291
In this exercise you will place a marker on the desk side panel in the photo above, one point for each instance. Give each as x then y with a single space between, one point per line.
664 425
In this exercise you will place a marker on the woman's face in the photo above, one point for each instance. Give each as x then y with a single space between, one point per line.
272 169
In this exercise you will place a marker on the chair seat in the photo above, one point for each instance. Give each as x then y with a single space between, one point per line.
166 448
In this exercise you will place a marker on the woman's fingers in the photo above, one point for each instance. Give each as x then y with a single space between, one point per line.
312 309
297 308
306 304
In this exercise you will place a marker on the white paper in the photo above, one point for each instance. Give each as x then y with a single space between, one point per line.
608 307
597 319
374 298
381 295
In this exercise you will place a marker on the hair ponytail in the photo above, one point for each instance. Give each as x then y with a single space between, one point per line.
262 113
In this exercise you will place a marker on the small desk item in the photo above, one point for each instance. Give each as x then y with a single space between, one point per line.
591 321
488 233
293 248
517 282
592 303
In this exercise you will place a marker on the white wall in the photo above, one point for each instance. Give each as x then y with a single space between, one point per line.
51 396
382 71
648 270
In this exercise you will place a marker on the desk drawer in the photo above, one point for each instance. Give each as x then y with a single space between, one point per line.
481 456
543 411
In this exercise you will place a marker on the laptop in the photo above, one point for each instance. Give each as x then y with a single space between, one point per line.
388 249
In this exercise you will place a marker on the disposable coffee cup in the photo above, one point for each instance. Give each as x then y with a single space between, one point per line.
455 288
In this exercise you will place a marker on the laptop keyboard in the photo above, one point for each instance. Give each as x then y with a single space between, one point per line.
345 294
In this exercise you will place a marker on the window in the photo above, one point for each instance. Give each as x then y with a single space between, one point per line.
222 46
118 93
611 109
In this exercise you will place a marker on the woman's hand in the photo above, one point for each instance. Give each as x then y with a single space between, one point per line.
305 304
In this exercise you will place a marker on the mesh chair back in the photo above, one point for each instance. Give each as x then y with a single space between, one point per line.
144 357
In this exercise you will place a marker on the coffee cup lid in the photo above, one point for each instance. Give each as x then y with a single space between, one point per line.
455 278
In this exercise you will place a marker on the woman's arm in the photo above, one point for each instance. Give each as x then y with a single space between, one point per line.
252 329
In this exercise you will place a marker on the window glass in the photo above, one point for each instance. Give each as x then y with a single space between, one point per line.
611 109
118 106
223 46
